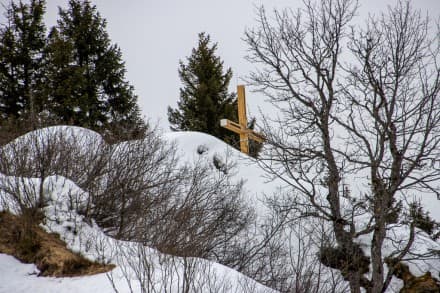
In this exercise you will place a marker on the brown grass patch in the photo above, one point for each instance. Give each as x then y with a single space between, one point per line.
45 250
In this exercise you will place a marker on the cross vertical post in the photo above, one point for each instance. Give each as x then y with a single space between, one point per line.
242 119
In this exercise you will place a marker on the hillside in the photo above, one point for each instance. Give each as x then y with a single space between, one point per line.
167 272
137 264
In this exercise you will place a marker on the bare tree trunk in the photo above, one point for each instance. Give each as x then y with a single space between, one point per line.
376 259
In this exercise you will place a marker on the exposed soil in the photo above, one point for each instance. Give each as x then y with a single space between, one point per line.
412 284
31 244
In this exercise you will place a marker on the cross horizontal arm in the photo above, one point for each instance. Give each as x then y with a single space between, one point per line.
237 128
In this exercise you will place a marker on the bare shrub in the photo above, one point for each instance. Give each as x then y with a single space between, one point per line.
66 151
206 213
153 272
148 196
138 176
136 190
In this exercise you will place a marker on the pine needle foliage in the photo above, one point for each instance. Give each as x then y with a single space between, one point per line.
204 97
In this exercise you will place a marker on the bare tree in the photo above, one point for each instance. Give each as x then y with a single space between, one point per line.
352 139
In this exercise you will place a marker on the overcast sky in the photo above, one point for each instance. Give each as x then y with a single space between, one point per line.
155 34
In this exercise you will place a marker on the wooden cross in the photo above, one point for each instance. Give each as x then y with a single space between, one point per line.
241 126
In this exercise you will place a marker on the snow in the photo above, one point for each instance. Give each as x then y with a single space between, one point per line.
18 277
92 243
192 145
166 272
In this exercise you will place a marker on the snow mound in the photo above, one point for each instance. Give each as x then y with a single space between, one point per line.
138 267
194 145
75 133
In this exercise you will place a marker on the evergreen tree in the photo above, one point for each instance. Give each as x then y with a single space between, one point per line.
22 42
204 97
86 83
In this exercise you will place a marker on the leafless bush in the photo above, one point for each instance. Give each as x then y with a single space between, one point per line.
183 209
70 152
153 272
30 157
206 213
136 190
27 162
138 176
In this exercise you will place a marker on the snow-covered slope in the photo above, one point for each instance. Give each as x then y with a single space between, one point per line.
195 145
163 270
165 273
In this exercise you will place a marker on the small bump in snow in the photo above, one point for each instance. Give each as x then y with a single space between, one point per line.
201 149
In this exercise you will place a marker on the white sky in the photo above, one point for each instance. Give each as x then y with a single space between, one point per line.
155 34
